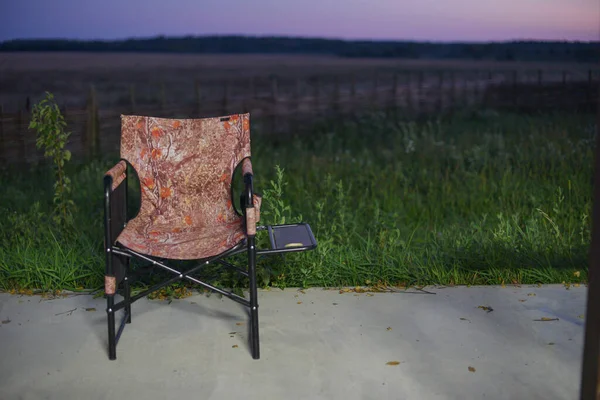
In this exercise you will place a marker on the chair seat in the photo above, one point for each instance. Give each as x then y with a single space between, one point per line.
170 240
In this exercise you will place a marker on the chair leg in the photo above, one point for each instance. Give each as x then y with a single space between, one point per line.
127 292
112 345
254 337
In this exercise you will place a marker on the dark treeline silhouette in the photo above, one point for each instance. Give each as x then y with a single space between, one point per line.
504 51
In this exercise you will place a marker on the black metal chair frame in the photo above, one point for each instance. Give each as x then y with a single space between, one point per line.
118 257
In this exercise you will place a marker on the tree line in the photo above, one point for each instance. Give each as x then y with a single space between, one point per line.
500 51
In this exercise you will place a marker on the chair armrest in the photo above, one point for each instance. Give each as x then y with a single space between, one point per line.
249 209
247 167
116 174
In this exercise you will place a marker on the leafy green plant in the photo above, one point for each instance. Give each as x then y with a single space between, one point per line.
50 125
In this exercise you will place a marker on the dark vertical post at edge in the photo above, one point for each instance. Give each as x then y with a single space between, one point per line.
3 155
591 350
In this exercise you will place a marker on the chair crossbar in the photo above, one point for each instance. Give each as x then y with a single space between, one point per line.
180 276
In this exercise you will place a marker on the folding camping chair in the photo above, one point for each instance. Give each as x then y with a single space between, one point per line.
186 169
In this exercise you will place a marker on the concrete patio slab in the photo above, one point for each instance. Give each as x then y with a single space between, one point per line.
522 343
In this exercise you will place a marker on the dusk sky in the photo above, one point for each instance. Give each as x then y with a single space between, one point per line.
435 20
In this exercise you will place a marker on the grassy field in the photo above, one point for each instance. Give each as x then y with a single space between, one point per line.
476 199
171 77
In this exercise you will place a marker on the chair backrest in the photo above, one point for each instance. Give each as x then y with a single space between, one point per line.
185 166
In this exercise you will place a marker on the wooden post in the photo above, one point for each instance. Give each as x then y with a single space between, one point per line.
163 100
225 102
589 91
198 94
452 91
336 96
393 102
440 93
374 96
565 100
93 137
540 89
420 99
298 95
2 144
316 94
274 90
514 89
352 103
409 96
275 106
132 97
21 137
253 88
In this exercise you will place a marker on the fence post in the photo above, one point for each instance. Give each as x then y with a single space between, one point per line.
275 105
336 96
452 91
298 95
93 137
440 93
316 94
198 95
394 99
565 100
132 97
420 99
2 146
590 95
374 97
352 92
225 102
409 96
514 89
163 100
21 136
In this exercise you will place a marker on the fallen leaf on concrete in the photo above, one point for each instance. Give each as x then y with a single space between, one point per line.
232 333
546 319
370 295
471 369
90 309
392 363
389 328
576 284
581 316
239 323
464 319
6 321
551 344
299 302
522 300
235 346
302 291
67 312
530 294
486 308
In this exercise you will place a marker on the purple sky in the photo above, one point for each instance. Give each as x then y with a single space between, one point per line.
436 20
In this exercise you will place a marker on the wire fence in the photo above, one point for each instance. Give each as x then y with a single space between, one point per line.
281 106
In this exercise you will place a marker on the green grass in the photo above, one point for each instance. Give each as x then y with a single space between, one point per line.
477 199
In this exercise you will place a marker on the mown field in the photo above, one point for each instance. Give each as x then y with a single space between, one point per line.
171 78
476 198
